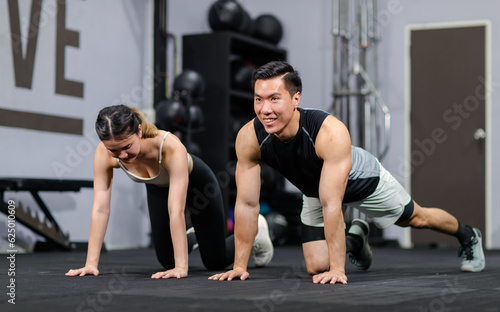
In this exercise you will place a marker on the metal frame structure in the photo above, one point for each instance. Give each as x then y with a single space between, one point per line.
355 97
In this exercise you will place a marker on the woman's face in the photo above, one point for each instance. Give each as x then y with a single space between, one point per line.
126 149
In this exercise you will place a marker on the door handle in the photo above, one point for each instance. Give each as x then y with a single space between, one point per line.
479 134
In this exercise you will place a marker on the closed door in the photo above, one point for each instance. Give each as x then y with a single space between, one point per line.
448 125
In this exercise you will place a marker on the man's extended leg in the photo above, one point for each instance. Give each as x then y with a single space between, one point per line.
431 218
439 220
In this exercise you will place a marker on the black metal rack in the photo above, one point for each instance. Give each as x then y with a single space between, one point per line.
48 228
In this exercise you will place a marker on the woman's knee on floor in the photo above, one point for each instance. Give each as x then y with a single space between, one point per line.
166 262
215 264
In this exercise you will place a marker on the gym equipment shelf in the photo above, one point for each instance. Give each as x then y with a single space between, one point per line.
226 109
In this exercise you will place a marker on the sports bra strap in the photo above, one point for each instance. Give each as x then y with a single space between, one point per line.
161 146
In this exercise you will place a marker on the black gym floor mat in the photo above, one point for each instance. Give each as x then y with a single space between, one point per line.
399 280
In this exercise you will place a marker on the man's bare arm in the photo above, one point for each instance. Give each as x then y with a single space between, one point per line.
247 201
333 145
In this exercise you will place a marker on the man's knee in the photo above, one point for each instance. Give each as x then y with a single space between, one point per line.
316 256
418 220
411 222
316 266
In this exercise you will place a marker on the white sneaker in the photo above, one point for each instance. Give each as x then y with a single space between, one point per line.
262 250
191 231
472 253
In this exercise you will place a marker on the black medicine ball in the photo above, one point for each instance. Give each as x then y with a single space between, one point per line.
268 28
226 15
190 81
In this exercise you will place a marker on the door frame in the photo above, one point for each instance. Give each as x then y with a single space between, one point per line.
407 111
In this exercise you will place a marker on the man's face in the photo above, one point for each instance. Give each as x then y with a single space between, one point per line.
273 104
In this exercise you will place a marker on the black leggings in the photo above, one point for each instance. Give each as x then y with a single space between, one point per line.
205 206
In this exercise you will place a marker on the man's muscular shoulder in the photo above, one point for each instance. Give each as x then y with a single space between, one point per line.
333 137
247 145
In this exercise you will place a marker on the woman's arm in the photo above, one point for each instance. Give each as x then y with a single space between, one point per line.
103 175
174 160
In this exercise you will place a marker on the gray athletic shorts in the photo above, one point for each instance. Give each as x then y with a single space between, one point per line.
384 207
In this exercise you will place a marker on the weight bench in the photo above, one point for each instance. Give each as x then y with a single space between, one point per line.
48 227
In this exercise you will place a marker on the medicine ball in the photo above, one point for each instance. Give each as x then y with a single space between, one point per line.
268 28
278 228
170 115
241 75
190 81
247 26
226 15
196 115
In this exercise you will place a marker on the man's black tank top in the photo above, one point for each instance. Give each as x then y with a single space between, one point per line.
297 161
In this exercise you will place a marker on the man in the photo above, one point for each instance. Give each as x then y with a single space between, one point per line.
312 149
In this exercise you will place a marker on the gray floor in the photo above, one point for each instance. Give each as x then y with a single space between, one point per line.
399 280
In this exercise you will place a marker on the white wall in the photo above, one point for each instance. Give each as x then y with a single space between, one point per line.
113 62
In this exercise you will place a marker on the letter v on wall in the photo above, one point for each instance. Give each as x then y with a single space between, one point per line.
23 66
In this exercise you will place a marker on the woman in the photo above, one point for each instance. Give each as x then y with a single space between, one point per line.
174 179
